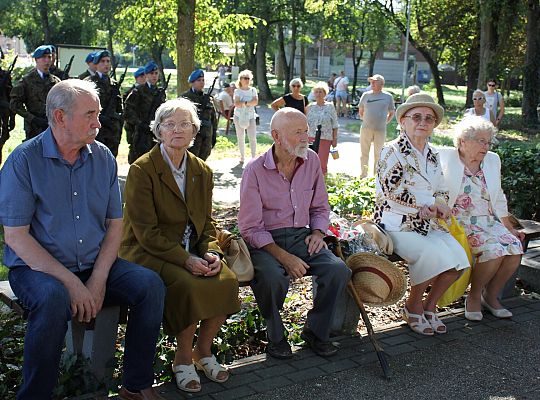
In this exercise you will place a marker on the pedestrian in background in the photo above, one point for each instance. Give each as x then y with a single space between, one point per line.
342 93
323 113
294 99
494 101
245 100
480 109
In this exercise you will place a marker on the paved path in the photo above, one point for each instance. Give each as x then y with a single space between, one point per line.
491 359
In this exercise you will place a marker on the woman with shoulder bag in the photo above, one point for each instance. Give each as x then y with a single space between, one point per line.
245 100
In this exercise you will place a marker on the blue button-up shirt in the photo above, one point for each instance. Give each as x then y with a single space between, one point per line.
65 205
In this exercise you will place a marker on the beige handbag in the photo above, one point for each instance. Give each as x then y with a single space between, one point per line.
236 254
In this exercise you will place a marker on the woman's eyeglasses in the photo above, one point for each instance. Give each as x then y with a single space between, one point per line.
492 84
483 142
184 125
295 85
478 98
417 118
245 77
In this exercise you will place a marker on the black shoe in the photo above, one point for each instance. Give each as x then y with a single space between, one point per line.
281 350
323 349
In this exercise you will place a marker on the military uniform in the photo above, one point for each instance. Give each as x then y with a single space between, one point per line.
59 73
141 105
111 112
86 74
28 100
7 117
204 141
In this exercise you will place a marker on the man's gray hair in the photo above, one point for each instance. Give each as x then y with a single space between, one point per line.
63 96
168 108
413 90
470 126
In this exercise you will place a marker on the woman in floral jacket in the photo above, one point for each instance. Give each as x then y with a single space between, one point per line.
473 176
411 196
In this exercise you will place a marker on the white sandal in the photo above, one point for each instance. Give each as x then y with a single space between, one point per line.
435 322
418 326
211 368
185 374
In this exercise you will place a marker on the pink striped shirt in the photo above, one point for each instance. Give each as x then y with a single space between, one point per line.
269 201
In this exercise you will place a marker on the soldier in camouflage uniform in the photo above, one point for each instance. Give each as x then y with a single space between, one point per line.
91 71
53 68
207 113
111 102
141 106
140 79
7 117
29 95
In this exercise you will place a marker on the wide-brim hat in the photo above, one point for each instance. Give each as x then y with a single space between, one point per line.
420 100
377 281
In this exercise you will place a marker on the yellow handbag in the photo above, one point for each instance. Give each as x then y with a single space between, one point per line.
457 289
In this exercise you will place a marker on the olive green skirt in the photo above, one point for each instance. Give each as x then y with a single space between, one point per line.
191 298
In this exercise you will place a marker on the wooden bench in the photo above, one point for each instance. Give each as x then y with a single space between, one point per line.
95 340
529 270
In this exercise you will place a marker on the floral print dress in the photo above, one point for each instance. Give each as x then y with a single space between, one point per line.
488 237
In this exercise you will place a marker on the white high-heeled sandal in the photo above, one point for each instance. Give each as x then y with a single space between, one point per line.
185 374
418 326
435 322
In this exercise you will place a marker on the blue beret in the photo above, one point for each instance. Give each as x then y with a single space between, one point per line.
90 57
98 55
53 48
150 67
195 75
139 72
41 51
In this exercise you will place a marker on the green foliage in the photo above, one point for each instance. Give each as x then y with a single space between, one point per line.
520 170
11 352
350 197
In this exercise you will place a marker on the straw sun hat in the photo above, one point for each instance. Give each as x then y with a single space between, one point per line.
420 100
377 281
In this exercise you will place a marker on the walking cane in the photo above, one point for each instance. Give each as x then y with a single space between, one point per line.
334 245
381 355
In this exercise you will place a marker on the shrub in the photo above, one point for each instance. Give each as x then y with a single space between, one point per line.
520 170
351 197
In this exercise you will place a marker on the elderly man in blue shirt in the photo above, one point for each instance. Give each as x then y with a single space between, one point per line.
62 219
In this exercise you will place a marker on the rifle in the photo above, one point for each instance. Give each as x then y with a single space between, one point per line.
8 72
67 68
113 72
110 110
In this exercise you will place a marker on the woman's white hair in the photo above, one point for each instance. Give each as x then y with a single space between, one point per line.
296 81
168 108
322 86
470 126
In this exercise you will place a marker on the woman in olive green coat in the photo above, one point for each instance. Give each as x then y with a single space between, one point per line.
168 227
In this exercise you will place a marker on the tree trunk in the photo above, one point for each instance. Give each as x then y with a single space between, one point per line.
372 57
293 47
263 32
356 65
303 62
472 71
110 32
185 39
488 43
283 70
44 14
531 70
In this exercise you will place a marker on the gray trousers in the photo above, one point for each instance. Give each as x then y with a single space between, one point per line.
271 283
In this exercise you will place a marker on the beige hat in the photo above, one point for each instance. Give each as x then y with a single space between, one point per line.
420 100
376 77
377 281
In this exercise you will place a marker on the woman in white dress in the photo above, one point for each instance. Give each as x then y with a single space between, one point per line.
245 100
410 197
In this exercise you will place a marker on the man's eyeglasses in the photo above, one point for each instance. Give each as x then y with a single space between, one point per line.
478 98
483 142
417 118
492 84
184 125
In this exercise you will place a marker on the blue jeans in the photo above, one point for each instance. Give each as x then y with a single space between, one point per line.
48 303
